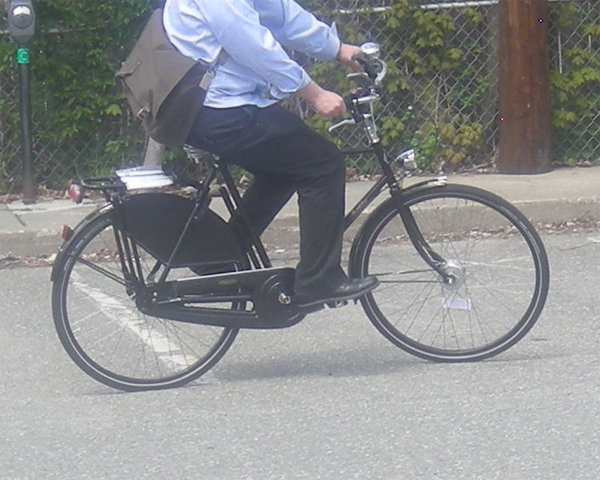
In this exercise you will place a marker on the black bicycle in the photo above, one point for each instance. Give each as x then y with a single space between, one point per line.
150 290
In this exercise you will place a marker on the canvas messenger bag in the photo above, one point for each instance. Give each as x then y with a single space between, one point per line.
164 88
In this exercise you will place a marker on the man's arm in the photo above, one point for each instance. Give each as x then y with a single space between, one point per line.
239 28
296 28
327 104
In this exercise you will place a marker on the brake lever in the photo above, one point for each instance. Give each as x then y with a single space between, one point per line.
346 121
354 75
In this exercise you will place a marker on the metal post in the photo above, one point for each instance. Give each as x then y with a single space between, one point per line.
21 26
29 191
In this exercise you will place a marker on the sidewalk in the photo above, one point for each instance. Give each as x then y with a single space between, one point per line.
559 196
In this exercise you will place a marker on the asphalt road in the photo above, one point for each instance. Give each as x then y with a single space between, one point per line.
327 399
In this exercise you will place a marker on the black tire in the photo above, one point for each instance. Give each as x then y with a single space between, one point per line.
500 264
107 336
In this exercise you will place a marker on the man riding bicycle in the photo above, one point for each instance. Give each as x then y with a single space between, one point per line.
242 122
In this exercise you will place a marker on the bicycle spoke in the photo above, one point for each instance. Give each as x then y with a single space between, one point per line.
484 301
105 333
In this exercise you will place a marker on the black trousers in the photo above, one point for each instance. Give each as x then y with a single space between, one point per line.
285 156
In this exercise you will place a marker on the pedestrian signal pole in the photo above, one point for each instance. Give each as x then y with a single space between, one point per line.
21 26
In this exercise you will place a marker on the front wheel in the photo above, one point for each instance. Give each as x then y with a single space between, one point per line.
494 282
102 330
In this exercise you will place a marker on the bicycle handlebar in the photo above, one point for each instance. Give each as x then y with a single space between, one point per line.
368 58
359 103
375 68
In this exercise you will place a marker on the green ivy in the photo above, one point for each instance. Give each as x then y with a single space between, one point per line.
77 66
80 44
417 47
575 87
74 55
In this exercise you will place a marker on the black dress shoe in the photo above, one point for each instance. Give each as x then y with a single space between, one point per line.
347 290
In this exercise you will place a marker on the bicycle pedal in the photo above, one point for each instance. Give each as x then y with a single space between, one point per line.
336 304
312 308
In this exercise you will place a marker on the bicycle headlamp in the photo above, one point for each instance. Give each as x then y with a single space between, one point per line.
407 160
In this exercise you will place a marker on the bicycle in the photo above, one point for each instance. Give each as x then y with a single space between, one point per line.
150 290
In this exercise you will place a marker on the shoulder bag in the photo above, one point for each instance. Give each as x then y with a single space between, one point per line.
164 88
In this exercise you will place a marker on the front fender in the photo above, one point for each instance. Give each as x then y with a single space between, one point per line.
432 182
385 206
367 226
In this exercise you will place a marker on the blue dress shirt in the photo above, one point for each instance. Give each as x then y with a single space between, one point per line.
245 40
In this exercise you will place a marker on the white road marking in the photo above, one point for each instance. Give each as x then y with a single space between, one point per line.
166 350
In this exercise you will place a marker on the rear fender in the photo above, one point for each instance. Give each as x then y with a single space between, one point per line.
58 261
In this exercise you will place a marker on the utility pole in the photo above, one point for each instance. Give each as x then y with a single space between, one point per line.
524 87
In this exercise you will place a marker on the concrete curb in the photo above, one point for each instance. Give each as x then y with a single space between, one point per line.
556 197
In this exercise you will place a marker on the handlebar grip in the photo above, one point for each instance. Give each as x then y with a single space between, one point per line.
370 65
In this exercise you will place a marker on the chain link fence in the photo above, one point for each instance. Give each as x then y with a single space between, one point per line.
575 74
10 171
441 93
441 97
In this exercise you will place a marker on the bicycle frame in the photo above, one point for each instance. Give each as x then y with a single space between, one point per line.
154 329
253 247
158 296
432 258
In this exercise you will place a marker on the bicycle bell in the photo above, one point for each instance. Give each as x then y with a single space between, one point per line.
370 49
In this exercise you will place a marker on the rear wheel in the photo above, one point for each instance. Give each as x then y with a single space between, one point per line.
496 265
102 330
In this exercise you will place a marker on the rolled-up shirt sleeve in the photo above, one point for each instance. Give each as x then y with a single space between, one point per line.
298 29
245 42
255 36
236 25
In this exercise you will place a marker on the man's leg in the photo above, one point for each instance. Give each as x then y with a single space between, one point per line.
285 155
265 196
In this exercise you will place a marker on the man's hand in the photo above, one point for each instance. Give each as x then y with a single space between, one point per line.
327 104
346 53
